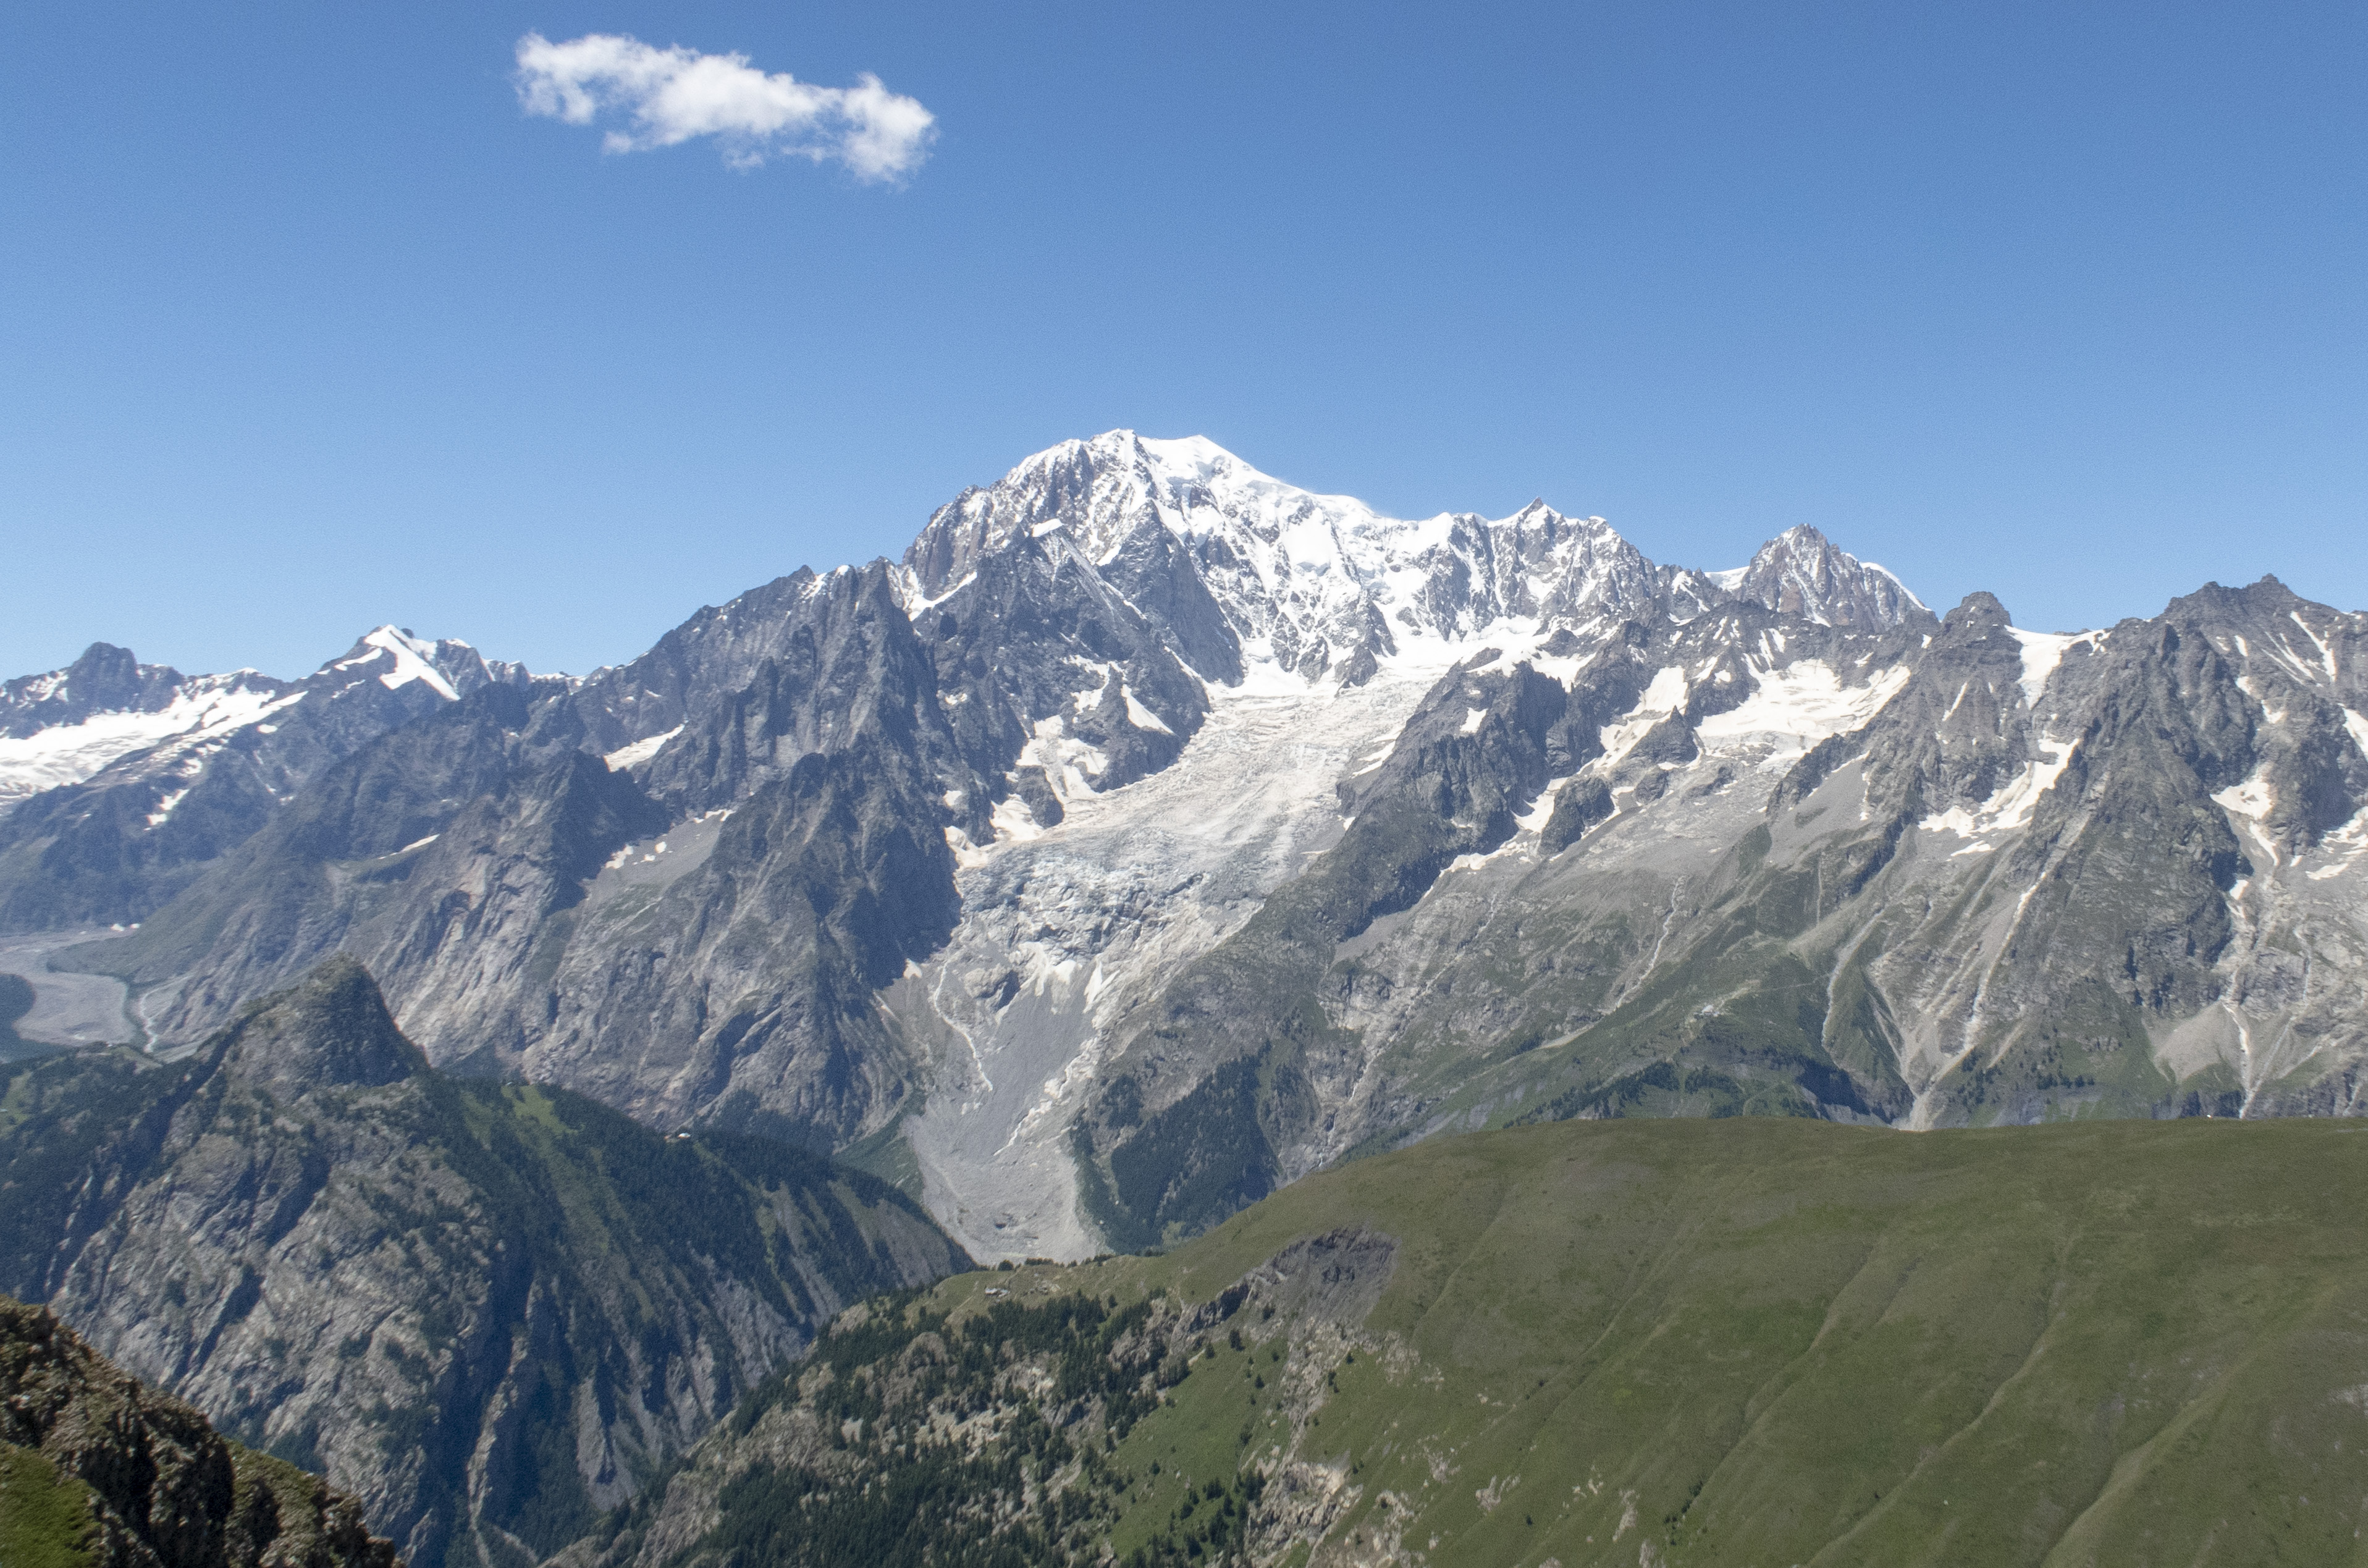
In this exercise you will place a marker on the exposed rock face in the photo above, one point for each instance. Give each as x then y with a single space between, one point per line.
486 1312
728 703
717 972
1044 663
505 837
125 1477
1578 805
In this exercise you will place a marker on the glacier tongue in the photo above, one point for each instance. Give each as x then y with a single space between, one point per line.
69 753
1064 935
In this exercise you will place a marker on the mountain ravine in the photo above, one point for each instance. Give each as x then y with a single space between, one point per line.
1155 833
487 1311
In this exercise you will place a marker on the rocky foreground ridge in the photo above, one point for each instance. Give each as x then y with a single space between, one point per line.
98 1470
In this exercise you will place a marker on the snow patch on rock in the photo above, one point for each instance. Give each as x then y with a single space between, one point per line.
412 661
639 752
1799 704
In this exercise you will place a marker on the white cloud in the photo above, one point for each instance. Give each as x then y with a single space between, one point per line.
668 95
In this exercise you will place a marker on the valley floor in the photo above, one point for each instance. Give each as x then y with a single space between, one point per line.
68 1008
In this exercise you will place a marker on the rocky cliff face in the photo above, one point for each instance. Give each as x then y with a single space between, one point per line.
486 1312
528 907
98 1472
1155 831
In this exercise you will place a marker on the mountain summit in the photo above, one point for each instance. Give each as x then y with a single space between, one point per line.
1311 584
1801 572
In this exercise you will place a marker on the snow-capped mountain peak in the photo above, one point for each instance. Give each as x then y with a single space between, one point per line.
1801 572
107 721
409 658
1312 583
63 726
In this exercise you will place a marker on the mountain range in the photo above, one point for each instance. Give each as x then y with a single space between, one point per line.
1155 833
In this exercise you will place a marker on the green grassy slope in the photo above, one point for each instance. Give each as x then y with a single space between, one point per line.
1774 1340
1749 1341
45 1517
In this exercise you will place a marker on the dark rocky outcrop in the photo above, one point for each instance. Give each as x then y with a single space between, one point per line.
98 1470
1578 805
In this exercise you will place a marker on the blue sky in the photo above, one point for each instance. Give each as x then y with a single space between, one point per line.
309 325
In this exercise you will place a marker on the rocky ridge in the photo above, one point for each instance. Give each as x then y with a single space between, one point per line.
120 781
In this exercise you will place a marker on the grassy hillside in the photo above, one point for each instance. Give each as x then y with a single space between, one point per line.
47 1520
1747 1341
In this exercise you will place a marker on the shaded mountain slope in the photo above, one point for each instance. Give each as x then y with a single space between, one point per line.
530 910
484 1310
